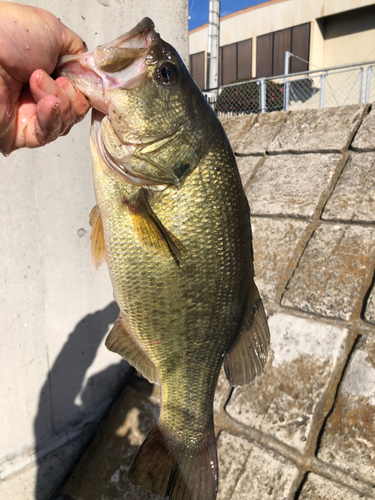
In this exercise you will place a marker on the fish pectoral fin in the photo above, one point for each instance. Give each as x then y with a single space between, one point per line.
151 231
121 341
97 238
247 357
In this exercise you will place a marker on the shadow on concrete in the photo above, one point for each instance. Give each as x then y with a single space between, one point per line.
102 471
63 405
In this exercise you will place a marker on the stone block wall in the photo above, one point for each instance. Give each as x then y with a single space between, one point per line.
306 427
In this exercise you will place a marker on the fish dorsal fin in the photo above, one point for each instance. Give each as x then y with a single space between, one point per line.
247 358
121 341
97 238
151 231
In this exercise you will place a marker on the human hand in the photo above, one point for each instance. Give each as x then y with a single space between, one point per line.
34 108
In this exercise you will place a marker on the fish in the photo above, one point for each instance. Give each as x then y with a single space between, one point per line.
172 222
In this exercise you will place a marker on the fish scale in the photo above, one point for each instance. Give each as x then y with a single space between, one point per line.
174 223
175 330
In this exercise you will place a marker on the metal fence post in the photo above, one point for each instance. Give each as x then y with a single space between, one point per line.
286 94
362 84
368 83
263 102
286 82
322 83
306 89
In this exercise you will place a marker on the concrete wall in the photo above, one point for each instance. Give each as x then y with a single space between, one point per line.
56 376
349 36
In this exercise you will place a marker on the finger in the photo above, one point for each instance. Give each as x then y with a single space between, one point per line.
41 84
7 118
79 104
44 126
45 91
48 122
71 43
73 104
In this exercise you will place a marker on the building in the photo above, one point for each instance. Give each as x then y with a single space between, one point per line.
253 41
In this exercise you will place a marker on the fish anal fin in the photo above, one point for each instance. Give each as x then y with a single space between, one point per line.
121 341
248 356
165 467
97 238
150 229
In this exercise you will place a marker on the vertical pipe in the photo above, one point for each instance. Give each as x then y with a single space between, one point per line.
263 103
368 83
213 44
286 82
362 84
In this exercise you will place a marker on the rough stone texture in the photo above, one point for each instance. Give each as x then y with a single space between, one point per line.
261 134
318 488
102 472
292 185
236 127
354 195
233 453
318 130
275 243
370 307
247 472
246 166
364 139
282 401
331 276
349 437
222 392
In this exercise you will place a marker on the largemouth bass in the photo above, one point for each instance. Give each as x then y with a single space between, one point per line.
173 223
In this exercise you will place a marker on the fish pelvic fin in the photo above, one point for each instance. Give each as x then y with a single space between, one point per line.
97 238
173 471
248 356
150 229
121 341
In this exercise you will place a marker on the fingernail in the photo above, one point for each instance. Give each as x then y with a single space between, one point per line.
46 84
56 107
70 89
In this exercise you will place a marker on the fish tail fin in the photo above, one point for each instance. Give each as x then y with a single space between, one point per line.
168 468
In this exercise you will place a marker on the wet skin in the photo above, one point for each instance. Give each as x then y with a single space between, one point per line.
35 109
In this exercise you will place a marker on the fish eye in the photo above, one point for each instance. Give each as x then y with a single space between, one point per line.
166 73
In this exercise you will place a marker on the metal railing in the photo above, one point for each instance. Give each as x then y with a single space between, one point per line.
329 87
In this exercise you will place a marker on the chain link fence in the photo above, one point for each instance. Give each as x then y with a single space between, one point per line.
310 90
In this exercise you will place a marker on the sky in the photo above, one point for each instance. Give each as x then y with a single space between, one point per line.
198 9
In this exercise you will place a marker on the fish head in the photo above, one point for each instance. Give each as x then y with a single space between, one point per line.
150 101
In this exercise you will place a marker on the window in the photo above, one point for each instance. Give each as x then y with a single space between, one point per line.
235 62
197 69
271 50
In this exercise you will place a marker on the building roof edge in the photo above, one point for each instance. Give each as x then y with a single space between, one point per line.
238 12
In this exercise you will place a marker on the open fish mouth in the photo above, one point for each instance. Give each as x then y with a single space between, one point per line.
118 64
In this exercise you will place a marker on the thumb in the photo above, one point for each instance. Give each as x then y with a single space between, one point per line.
71 43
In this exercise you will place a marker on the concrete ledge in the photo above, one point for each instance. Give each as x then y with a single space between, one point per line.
326 130
364 139
293 185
